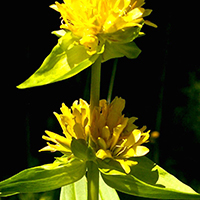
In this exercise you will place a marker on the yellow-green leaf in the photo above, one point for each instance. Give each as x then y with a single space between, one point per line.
66 59
43 178
116 50
78 191
147 179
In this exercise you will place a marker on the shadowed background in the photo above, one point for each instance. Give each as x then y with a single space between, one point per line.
161 88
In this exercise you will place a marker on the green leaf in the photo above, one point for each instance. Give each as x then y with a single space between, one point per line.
116 50
78 191
81 150
75 191
106 192
59 33
43 178
148 180
65 60
125 35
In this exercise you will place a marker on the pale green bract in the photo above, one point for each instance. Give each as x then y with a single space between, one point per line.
68 57
78 191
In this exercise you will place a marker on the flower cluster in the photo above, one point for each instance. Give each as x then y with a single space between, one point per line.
91 29
112 134
94 20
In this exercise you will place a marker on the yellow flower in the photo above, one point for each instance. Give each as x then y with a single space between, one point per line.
115 135
74 123
97 20
112 135
91 29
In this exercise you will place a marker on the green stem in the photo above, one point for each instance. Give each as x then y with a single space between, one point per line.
95 84
93 181
93 172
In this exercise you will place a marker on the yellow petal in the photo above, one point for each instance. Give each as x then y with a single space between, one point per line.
150 24
60 121
47 148
102 154
44 137
116 107
104 107
117 151
78 130
144 137
53 6
117 131
60 139
101 142
141 151
85 111
126 164
58 147
139 3
128 154
132 138
130 126
77 116
135 151
147 12
134 14
106 133
66 111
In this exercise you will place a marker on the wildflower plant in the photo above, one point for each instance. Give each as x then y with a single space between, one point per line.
102 149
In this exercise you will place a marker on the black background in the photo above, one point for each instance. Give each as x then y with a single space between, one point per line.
165 78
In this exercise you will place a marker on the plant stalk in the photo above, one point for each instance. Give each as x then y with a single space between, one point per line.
92 181
95 84
93 172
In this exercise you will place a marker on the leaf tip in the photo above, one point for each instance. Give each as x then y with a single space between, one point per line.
22 86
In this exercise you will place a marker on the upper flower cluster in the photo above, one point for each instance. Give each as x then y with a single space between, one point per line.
111 134
91 29
92 20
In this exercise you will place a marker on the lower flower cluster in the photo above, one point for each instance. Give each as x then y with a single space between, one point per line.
107 131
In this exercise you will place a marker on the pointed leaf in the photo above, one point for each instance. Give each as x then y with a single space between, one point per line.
106 192
124 35
65 60
149 180
116 50
79 148
75 191
78 191
43 178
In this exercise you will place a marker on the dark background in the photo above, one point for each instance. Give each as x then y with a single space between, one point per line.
161 87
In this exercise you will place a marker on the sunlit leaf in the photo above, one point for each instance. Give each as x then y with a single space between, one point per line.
75 191
78 191
116 50
106 192
43 178
65 60
79 148
148 180
125 35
